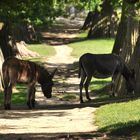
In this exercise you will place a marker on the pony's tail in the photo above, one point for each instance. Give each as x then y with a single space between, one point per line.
80 67
1 72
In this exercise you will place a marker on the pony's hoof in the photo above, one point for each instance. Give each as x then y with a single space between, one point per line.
33 103
7 107
29 105
89 99
81 102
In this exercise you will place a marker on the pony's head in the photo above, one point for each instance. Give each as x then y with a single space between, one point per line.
47 83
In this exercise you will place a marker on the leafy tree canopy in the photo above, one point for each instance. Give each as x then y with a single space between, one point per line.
41 11
27 11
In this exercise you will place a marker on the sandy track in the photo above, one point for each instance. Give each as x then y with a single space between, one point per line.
50 120
47 121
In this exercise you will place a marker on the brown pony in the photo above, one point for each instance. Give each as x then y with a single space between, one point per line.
16 70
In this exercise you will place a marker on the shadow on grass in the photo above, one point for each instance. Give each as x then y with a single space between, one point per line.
129 128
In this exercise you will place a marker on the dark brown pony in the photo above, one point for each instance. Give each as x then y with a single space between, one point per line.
16 70
103 66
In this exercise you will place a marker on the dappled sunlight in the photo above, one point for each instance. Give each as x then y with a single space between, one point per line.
50 120
63 32
62 116
123 128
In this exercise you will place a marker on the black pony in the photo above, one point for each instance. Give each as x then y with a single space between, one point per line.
103 66
16 70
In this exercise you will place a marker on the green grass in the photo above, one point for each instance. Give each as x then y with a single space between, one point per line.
96 46
99 89
18 98
42 49
69 97
82 34
97 84
119 118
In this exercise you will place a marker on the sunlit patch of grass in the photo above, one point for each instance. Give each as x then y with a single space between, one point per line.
99 90
119 118
97 84
42 49
35 59
83 34
96 46
68 97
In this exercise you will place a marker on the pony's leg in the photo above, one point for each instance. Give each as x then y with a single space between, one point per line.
113 87
7 97
86 86
114 77
31 96
83 77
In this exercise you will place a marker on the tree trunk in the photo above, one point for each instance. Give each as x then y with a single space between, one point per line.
4 41
121 33
125 43
103 23
7 47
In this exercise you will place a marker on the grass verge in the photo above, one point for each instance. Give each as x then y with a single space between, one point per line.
119 118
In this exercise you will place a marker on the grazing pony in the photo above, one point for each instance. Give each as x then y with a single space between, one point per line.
16 70
103 66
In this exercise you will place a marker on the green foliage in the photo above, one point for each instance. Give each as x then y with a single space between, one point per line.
42 11
119 118
37 12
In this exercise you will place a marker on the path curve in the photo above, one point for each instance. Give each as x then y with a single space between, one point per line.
63 55
84 121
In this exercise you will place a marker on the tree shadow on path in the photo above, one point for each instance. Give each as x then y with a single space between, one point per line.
64 31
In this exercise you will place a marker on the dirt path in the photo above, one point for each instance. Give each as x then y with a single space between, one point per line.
75 119
52 116
56 118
